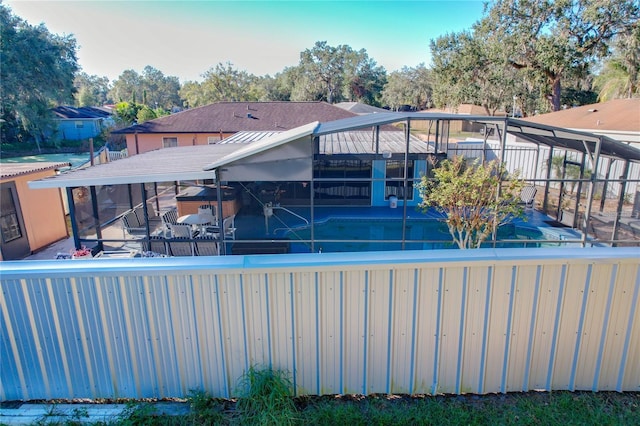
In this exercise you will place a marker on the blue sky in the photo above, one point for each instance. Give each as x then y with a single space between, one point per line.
187 38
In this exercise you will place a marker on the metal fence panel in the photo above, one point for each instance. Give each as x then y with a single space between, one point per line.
431 322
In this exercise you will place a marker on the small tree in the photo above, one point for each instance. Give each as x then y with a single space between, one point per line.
476 198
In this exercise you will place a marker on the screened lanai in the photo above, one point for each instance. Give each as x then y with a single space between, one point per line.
281 189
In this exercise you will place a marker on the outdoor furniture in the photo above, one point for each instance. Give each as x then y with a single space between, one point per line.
528 195
179 230
155 244
131 225
207 246
181 247
199 221
228 228
209 211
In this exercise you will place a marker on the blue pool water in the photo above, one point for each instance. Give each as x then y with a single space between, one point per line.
370 234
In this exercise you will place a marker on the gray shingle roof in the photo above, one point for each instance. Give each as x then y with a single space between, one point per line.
232 117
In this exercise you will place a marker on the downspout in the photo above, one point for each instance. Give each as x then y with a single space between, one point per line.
135 135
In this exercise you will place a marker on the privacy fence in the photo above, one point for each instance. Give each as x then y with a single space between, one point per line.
416 322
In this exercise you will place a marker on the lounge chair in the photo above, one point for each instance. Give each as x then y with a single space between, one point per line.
528 195
131 225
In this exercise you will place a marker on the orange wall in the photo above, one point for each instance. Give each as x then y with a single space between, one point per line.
42 210
151 141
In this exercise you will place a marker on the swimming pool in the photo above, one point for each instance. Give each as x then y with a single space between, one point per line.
373 234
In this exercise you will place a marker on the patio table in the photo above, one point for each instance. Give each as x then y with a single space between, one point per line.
198 221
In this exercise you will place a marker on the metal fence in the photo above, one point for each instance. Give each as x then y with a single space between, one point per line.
416 322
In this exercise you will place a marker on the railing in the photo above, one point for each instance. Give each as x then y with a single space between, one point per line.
414 322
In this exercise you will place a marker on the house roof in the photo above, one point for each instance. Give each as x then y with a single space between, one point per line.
8 170
616 115
232 117
73 113
359 108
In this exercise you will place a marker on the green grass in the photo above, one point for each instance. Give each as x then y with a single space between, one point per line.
266 399
534 408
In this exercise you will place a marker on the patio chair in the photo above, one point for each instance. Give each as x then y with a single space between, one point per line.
208 210
170 217
131 225
179 230
228 228
181 247
528 195
207 246
156 245
155 221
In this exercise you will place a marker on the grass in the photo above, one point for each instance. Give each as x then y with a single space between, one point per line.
266 399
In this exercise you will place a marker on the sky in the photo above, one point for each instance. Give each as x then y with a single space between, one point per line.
187 38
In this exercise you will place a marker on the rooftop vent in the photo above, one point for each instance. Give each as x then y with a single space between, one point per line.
593 110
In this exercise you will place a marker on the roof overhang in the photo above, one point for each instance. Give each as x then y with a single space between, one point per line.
163 165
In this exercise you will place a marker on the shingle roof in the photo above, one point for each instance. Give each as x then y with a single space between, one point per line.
232 117
359 108
8 170
79 113
617 114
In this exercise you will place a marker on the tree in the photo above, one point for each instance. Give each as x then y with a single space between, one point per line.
409 86
336 74
152 88
475 198
91 90
620 76
558 39
37 74
127 113
221 83
468 67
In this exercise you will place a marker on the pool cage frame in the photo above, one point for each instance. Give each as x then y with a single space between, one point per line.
590 153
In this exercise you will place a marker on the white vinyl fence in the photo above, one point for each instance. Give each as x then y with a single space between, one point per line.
415 322
534 165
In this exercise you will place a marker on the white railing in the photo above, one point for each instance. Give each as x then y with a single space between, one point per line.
415 322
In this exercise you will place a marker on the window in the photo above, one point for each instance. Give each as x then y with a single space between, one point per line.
9 224
79 124
169 142
394 184
213 139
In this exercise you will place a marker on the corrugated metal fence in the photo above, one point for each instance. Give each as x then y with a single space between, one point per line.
417 322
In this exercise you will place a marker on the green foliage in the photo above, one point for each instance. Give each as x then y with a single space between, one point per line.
336 74
37 73
152 87
127 112
266 398
145 114
410 86
476 198
91 90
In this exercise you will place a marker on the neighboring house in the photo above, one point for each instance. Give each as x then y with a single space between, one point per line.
211 123
358 108
29 219
81 123
461 125
618 119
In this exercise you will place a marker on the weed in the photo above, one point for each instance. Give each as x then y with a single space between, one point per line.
266 398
